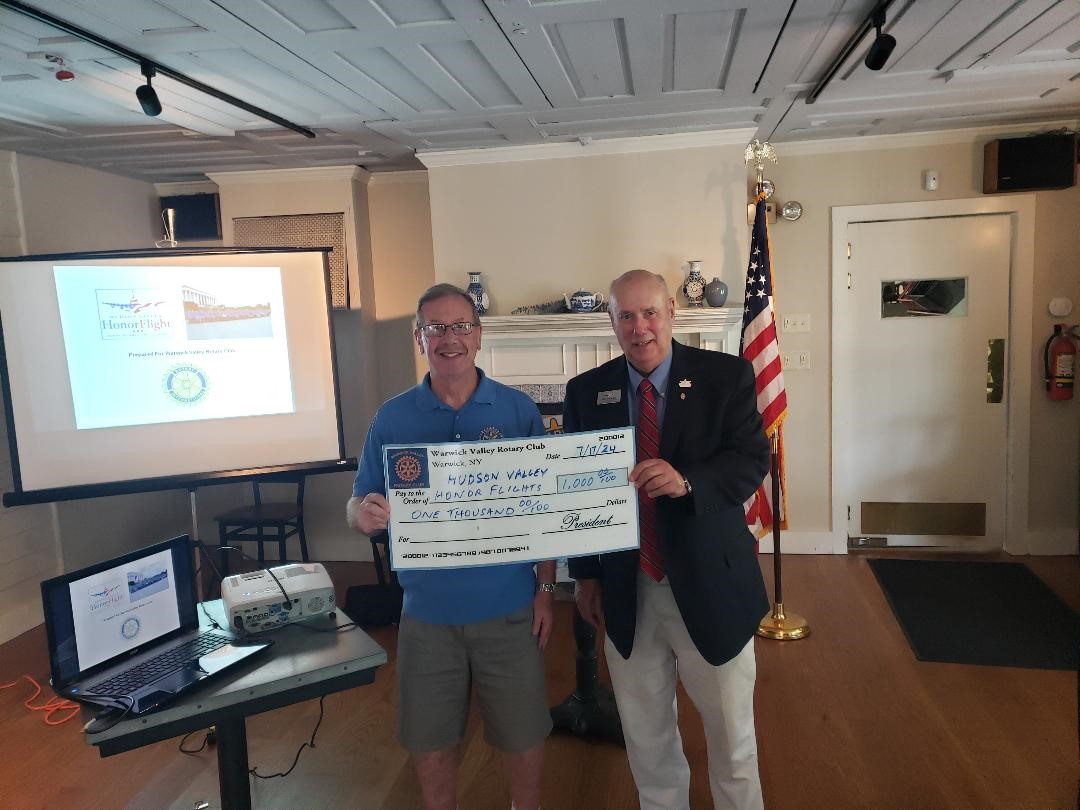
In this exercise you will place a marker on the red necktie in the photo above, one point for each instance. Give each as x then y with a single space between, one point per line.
648 446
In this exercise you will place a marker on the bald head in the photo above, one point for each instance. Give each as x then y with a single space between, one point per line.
642 311
637 277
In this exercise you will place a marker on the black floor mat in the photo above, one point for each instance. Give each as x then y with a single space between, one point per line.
998 614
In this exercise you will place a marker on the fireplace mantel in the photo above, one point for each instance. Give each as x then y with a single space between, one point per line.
547 349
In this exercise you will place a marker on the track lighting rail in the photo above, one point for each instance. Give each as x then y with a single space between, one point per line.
142 61
849 47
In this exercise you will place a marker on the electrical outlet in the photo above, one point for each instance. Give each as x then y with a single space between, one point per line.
799 322
795 361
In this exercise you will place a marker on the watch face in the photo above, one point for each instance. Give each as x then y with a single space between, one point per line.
792 210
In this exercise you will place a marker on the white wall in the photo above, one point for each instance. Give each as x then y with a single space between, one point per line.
68 208
403 269
536 229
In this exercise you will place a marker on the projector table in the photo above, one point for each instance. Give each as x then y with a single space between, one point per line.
302 664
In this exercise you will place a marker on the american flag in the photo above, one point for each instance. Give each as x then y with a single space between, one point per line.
760 347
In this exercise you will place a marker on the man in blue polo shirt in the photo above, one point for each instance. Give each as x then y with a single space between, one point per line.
483 627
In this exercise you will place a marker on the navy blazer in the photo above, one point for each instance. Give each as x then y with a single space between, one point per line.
713 435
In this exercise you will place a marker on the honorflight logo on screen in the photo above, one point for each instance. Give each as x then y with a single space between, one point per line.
106 596
408 469
186 383
132 313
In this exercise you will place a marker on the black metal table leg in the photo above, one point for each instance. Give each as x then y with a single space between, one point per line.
232 755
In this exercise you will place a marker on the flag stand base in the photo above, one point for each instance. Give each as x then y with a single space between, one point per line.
783 626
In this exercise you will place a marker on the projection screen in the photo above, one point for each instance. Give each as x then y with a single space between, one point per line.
133 371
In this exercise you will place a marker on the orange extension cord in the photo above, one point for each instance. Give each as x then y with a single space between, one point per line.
51 706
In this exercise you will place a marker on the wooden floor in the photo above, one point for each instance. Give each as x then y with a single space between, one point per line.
846 718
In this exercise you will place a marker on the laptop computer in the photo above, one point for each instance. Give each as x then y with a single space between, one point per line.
125 633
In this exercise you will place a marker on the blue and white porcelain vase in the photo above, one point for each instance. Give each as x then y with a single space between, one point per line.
694 286
478 294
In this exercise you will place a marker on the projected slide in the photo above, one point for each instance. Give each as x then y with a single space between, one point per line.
152 344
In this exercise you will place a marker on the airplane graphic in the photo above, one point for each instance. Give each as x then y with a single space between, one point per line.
105 593
134 305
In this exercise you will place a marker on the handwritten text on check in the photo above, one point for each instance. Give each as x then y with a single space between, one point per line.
513 500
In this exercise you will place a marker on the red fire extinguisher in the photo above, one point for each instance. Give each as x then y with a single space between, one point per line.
1059 363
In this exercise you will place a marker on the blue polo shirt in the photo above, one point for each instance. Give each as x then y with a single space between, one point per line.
417 416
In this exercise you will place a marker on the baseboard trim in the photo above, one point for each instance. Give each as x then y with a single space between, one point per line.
800 543
1053 542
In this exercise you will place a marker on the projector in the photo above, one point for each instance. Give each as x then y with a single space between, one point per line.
254 602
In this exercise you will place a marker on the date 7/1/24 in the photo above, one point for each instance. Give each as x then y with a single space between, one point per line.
595 449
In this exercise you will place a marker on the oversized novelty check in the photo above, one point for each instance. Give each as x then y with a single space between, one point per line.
513 500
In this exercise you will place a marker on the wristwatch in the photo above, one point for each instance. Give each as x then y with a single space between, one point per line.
545 587
686 483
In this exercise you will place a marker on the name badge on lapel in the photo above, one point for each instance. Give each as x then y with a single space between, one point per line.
609 397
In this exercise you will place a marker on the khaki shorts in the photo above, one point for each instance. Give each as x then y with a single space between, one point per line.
437 666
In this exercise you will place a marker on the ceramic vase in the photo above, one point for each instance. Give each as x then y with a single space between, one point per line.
694 286
716 293
478 294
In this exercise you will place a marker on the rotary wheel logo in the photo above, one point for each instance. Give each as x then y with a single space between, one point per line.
130 628
407 468
490 433
186 383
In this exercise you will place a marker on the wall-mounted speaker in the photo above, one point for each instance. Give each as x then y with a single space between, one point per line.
1029 164
198 216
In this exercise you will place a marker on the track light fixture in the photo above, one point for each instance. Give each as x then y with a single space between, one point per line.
882 48
146 94
880 52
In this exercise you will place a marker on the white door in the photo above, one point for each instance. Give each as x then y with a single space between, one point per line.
924 328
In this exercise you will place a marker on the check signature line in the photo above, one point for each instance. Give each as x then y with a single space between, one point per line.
500 517
586 528
467 539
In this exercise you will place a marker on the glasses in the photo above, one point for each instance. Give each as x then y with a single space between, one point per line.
439 329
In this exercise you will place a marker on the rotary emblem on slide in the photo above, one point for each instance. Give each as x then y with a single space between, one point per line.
186 383
130 628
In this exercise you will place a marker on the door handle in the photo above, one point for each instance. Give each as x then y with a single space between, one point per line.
995 370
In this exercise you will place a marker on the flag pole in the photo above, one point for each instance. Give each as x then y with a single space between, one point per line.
777 624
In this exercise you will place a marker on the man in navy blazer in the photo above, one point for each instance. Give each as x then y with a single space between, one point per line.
696 623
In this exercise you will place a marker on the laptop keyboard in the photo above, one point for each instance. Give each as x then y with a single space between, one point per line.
149 671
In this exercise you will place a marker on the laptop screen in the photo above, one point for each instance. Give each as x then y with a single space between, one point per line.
102 614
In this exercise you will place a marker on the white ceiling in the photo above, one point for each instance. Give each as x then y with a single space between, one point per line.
377 80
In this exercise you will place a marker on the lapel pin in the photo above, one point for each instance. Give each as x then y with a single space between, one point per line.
685 384
682 395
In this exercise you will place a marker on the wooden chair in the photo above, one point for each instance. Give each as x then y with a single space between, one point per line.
381 539
264 522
